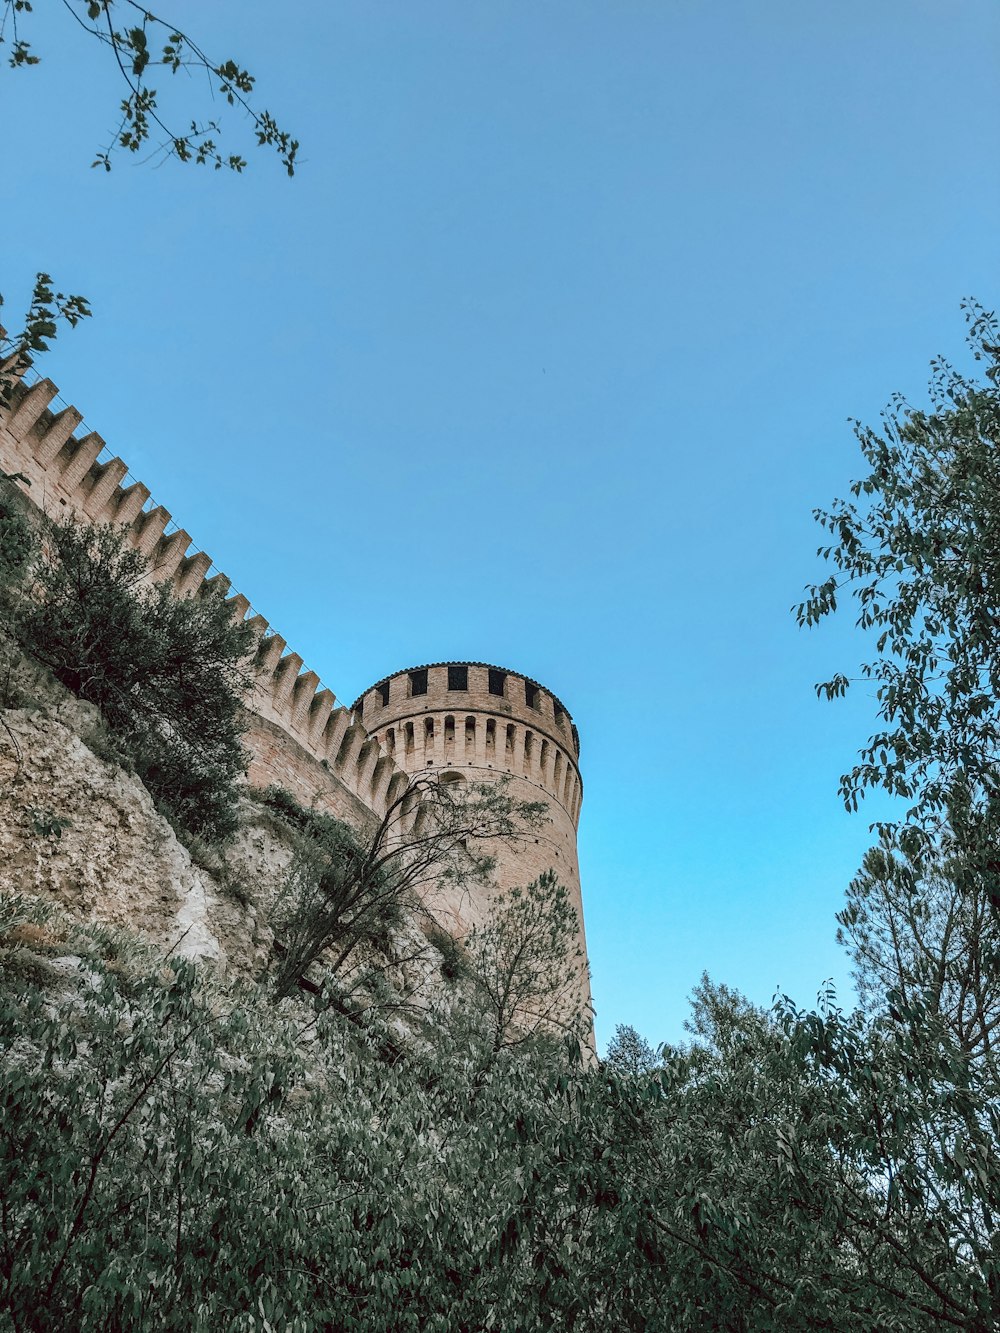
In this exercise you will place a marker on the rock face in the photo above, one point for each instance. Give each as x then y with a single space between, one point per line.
78 829
83 832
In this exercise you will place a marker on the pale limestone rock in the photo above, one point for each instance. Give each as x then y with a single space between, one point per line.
115 860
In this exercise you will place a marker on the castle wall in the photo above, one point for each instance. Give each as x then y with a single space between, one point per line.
299 735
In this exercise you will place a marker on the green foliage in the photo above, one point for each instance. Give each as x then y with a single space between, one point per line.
45 824
17 542
169 1160
527 964
168 674
910 1082
454 955
46 310
918 547
629 1053
138 43
174 1156
343 893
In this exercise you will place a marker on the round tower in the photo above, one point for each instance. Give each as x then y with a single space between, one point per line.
479 722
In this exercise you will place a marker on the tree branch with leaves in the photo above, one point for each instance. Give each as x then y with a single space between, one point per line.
139 42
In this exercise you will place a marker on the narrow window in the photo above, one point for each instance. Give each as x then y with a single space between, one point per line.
428 732
458 678
418 683
557 770
449 737
530 694
470 737
390 740
498 682
559 712
383 690
543 758
509 748
491 737
529 751
408 737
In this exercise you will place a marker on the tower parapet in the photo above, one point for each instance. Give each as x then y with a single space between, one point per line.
472 715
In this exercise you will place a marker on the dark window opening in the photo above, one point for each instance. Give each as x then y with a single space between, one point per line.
458 678
530 694
498 682
418 683
559 712
383 690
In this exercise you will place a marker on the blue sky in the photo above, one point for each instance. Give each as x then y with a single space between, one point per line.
544 358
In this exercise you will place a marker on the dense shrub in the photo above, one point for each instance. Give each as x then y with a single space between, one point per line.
169 674
16 539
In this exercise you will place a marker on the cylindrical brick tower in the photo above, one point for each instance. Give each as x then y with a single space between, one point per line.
480 722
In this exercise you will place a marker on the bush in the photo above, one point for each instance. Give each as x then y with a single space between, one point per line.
16 540
169 674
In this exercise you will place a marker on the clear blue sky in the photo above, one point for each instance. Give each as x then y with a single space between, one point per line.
544 358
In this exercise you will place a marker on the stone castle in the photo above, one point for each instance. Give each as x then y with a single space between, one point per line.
456 720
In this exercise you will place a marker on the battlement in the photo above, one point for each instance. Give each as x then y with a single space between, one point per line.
295 718
476 715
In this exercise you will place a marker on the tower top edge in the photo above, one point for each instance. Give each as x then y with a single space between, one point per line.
461 661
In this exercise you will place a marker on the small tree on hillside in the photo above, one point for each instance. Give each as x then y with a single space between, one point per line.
343 891
168 674
527 964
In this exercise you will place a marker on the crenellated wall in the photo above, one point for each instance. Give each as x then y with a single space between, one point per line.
299 735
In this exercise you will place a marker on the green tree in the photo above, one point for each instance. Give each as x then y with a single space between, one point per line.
629 1052
918 548
47 309
168 674
344 891
527 963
